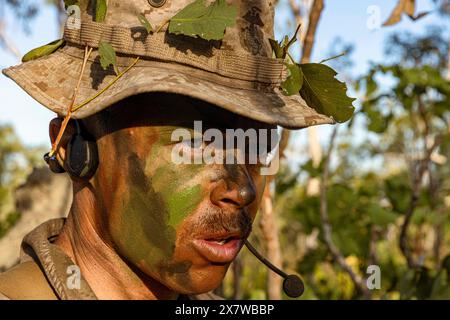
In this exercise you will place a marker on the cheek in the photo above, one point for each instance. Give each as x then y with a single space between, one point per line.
260 185
139 218
159 196
141 229
180 186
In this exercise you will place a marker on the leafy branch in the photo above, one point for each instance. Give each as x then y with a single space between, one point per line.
326 225
315 82
414 200
407 7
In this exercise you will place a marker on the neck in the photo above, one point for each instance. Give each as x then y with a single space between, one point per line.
108 275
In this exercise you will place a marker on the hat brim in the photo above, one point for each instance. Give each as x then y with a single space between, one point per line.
51 81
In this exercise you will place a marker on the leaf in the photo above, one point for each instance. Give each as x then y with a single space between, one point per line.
277 49
419 15
323 92
101 7
407 7
294 81
396 15
281 48
107 56
198 20
44 50
145 23
380 216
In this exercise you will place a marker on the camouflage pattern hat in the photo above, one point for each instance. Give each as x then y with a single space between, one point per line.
237 73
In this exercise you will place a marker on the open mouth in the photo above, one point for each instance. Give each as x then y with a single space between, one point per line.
221 249
222 241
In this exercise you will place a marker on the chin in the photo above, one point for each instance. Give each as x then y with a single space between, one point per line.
197 280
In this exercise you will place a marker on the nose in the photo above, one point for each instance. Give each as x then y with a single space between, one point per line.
234 191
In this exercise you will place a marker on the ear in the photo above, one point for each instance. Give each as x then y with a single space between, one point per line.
54 131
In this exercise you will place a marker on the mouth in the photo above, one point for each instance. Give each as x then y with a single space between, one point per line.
219 248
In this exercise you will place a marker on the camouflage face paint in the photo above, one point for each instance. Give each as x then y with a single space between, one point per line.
155 208
161 195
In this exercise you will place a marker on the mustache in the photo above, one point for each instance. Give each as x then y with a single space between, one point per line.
216 221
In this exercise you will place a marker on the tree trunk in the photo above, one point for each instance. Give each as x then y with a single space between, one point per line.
268 216
315 149
270 232
237 273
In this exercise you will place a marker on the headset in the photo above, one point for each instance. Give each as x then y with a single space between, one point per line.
293 286
81 162
81 159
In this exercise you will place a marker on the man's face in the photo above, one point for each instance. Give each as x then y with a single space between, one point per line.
180 224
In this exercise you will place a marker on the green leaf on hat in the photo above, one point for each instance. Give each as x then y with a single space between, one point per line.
281 49
43 50
277 49
107 56
101 8
198 20
145 23
294 82
323 92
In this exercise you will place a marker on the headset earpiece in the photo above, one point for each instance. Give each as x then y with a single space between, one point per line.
81 159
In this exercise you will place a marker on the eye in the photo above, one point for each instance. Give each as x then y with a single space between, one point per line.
267 157
193 146
195 143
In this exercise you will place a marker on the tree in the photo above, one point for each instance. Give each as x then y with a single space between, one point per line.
16 161
24 12
394 214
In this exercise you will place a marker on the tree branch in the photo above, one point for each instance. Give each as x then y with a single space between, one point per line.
308 43
314 18
418 175
8 45
270 232
326 225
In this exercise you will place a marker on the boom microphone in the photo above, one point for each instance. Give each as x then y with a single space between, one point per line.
293 286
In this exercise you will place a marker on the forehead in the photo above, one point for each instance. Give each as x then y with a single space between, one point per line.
161 109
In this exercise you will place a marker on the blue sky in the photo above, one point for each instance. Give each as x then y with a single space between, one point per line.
346 19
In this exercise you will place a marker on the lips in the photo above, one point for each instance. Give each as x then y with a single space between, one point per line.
220 248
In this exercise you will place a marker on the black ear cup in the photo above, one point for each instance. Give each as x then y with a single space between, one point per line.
81 157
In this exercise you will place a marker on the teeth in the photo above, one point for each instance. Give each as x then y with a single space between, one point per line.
221 242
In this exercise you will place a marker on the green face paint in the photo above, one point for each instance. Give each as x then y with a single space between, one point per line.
160 196
182 203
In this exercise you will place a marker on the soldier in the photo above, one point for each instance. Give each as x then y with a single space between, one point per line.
143 226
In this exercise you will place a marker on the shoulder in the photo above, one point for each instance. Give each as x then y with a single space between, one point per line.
26 281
